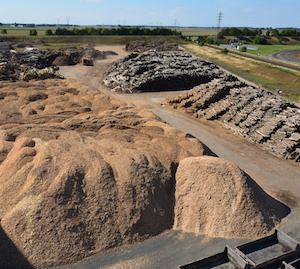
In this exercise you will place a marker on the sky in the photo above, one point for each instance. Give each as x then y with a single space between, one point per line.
192 13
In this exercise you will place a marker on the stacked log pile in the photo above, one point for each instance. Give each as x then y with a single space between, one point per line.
34 73
157 71
259 115
159 45
7 71
13 64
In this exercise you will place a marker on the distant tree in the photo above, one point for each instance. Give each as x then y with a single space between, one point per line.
105 31
235 32
33 32
48 32
260 40
136 31
92 31
123 31
4 31
289 32
146 31
224 51
259 32
275 32
268 33
76 31
201 40
63 31
209 40
246 31
224 32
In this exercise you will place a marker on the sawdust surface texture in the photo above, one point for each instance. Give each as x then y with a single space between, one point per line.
215 197
81 172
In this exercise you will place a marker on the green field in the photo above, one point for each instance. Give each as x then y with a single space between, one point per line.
269 49
198 31
23 31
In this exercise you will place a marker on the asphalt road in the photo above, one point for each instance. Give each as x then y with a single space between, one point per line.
288 55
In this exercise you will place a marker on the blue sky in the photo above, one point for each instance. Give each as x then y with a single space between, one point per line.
203 13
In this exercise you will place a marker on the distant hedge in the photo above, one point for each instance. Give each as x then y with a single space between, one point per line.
116 31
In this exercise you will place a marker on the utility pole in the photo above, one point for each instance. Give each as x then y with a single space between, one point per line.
68 21
219 19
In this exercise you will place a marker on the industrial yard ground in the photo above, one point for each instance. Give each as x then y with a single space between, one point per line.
277 177
78 107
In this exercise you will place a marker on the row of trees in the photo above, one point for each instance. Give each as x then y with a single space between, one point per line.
285 32
262 40
31 32
113 31
257 32
233 31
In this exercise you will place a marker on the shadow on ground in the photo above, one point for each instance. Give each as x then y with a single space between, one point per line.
10 256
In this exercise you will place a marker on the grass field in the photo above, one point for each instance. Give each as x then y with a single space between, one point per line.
269 49
198 31
23 31
264 75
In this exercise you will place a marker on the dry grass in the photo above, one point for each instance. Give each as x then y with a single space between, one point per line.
264 75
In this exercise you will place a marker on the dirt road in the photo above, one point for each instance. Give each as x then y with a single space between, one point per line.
278 177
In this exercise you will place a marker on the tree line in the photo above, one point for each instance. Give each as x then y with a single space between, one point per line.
233 31
113 31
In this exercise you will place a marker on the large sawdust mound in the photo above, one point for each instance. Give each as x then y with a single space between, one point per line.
81 173
216 198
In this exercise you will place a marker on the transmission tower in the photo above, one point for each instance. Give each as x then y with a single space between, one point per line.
219 19
68 21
